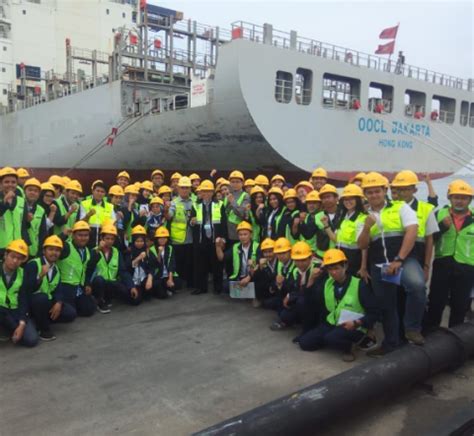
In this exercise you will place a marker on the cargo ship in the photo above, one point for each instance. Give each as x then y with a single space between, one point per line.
128 84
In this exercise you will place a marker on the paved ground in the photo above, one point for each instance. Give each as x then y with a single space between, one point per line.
173 367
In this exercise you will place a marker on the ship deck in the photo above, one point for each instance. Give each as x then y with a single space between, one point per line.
177 366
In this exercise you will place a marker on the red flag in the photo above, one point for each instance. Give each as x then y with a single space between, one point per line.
386 48
389 33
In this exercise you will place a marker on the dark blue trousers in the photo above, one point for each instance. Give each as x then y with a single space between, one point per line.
329 336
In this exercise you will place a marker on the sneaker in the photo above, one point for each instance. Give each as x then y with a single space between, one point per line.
47 335
367 343
103 307
414 337
277 325
350 356
377 352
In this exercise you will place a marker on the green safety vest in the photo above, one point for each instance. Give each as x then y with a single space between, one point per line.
296 271
289 271
108 270
288 234
350 301
21 191
320 225
167 260
422 213
215 212
232 217
459 245
47 287
72 268
346 235
9 296
63 211
103 212
391 222
11 223
179 223
256 228
236 258
277 220
34 229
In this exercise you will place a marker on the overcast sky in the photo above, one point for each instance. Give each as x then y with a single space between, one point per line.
433 34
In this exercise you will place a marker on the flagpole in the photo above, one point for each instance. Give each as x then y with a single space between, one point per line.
390 55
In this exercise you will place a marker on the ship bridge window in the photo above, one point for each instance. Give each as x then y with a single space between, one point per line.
471 116
443 109
380 98
283 87
340 92
464 116
303 86
415 104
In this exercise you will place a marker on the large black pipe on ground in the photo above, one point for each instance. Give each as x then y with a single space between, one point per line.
309 410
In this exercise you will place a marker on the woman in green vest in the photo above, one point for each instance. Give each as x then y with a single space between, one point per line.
292 213
257 203
347 309
271 218
47 202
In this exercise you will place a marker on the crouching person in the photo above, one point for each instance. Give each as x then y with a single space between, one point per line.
265 273
13 298
163 265
111 277
346 307
43 282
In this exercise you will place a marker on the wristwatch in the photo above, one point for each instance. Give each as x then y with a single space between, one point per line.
398 259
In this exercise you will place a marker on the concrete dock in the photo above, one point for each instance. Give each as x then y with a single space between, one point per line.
176 366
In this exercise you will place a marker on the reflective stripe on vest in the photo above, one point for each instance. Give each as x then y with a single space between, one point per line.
33 230
423 211
108 270
9 296
103 212
179 223
256 229
167 260
11 223
72 268
47 287
289 271
215 212
232 217
288 234
312 240
350 301
236 258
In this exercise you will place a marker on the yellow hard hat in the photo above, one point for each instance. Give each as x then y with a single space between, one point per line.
290 193
131 189
32 182
320 172
56 180
138 230
282 245
194 176
236 175
278 177
162 232
22 172
108 229
267 244
223 182
97 182
244 225
157 200
147 184
332 256
80 225
155 172
304 183
206 185
358 176
47 186
249 182
8 171
313 196
262 180
460 187
405 178
328 189
301 250
256 190
116 190
220 180
184 182
18 246
276 190
74 185
373 180
165 189
176 176
66 180
53 241
123 174
352 190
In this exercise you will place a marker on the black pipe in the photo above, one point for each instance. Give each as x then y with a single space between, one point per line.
309 410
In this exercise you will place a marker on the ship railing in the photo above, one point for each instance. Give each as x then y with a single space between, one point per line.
87 55
471 121
175 102
414 110
203 30
336 102
290 40
446 117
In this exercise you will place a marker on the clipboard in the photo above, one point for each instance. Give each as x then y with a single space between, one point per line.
391 278
237 291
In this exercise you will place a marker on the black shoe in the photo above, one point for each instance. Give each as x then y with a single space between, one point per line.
367 343
103 307
47 336
296 340
198 292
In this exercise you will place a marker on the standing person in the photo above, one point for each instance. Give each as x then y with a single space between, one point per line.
23 176
58 184
179 215
47 202
453 268
262 181
292 213
310 228
303 188
319 178
122 215
13 214
67 207
156 216
278 181
255 208
43 282
158 179
248 185
123 179
329 202
174 181
137 262
209 224
389 232
76 266
235 204
13 295
271 217
265 273
36 216
195 182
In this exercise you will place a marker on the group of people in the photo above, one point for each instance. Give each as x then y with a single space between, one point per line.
333 261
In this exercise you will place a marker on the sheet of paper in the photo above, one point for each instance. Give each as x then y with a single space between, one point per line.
391 278
348 315
236 291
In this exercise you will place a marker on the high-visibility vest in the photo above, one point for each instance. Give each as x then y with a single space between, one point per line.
350 300
256 228
236 261
215 212
72 267
277 221
232 217
108 270
167 258
47 287
179 223
288 234
459 245
63 211
423 211
346 234
289 270
11 223
103 212
34 229
9 295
